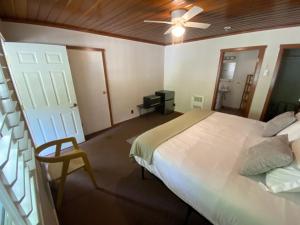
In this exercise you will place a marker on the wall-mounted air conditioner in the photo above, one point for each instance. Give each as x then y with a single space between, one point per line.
197 102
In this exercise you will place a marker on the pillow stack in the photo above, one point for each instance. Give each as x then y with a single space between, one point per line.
275 155
296 150
286 179
278 123
293 131
267 155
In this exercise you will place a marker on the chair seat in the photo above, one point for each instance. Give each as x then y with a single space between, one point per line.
55 169
63 163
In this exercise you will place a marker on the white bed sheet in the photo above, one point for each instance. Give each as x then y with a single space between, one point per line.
200 166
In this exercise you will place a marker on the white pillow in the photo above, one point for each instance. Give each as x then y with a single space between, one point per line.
286 179
293 131
296 150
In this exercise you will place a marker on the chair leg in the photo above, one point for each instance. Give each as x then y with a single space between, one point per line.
60 192
88 169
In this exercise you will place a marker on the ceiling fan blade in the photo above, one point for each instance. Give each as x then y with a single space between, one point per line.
169 30
157 21
191 13
197 25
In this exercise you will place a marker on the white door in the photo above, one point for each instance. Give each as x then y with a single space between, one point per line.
43 81
89 80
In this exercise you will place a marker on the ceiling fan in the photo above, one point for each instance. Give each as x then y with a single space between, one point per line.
180 20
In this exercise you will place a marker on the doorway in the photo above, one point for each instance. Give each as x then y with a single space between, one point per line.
236 80
88 67
284 93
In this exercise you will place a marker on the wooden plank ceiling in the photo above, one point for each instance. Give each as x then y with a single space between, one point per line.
124 18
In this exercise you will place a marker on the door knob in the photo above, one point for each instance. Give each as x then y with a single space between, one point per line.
74 105
104 92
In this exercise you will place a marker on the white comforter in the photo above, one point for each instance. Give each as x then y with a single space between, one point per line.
200 166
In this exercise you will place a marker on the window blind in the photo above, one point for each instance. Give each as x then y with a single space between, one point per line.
5 219
18 178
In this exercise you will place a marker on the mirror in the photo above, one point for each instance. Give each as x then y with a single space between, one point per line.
228 70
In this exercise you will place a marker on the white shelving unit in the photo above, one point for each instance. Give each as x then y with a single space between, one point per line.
18 195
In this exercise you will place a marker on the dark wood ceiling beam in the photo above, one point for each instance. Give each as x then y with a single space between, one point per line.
116 13
9 8
56 10
2 9
21 9
83 13
125 18
33 8
139 16
69 11
90 13
82 30
45 9
62 11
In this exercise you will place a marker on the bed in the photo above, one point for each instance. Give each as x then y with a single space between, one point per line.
200 165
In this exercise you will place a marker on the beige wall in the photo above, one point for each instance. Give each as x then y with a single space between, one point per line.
191 68
135 69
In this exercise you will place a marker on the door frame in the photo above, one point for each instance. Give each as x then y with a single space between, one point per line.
283 47
102 50
261 52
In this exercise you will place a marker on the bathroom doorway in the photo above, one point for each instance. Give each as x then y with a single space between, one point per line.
236 81
284 93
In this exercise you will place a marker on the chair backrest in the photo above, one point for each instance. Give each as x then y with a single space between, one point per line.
57 156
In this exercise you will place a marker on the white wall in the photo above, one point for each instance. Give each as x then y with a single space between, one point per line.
245 64
191 68
135 69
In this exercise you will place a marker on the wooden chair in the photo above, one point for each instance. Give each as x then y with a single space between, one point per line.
62 164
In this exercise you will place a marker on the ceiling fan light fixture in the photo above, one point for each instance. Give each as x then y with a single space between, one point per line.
178 31
180 21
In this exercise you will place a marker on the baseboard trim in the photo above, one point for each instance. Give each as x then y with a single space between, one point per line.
89 136
181 113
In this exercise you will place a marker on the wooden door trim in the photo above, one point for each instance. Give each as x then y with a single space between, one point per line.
261 52
85 48
283 47
102 50
220 66
107 86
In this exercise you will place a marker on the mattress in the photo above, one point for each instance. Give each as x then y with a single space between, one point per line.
200 165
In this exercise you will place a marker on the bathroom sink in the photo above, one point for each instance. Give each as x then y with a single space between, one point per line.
223 90
221 94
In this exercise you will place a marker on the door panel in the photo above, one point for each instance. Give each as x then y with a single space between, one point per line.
58 81
89 81
34 85
44 85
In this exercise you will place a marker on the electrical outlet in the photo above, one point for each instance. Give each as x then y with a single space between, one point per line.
132 111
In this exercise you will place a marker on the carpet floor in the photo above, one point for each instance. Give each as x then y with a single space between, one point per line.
123 198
